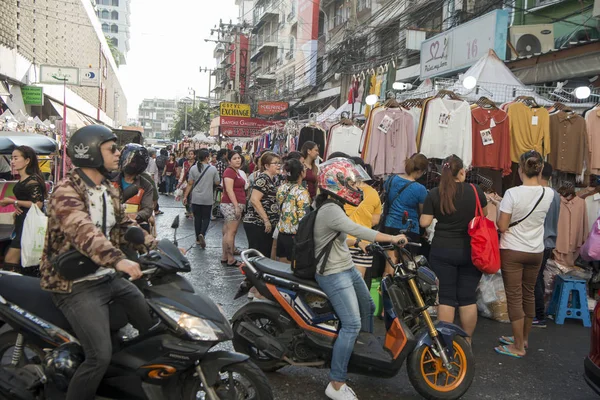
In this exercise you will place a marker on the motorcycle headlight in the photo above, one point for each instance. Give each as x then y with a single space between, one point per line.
196 328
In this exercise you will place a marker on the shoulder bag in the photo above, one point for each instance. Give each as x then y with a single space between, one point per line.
387 205
485 249
530 212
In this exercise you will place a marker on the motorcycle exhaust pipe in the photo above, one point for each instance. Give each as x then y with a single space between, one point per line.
262 340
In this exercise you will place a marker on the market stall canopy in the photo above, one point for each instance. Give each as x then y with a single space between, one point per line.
324 116
40 143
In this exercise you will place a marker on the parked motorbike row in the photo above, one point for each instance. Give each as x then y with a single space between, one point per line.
294 325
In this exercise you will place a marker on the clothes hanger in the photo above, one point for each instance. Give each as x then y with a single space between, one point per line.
567 190
484 102
528 100
391 103
448 93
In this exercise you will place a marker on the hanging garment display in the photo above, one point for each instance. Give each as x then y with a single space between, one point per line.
313 133
529 130
592 208
391 142
592 119
491 139
344 138
447 130
572 230
568 142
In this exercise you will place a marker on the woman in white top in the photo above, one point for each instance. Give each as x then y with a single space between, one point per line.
521 222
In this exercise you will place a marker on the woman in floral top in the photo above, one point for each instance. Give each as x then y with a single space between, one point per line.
263 211
294 200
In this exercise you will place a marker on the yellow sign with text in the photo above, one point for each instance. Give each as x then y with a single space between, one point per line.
235 110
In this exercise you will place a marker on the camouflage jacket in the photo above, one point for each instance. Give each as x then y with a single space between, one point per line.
70 226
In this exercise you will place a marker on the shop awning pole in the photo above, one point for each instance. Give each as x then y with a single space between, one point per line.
64 130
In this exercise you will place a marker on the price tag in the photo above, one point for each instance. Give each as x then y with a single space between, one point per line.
486 137
492 123
385 124
534 120
444 120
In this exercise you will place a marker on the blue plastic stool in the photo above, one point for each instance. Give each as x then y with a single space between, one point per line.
569 300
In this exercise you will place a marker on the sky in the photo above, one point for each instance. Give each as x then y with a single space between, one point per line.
167 48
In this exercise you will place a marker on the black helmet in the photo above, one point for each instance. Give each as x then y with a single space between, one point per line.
61 363
134 159
84 146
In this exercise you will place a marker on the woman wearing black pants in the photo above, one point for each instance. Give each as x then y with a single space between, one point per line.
263 210
453 205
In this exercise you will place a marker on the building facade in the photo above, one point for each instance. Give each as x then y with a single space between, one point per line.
157 117
114 16
59 33
307 52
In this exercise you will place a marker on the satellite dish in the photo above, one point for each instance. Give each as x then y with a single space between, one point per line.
528 45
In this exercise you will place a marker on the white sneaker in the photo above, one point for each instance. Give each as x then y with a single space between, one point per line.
345 393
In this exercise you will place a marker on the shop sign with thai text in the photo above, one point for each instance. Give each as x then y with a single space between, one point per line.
267 108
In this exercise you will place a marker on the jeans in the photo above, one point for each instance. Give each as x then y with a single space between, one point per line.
170 183
540 288
354 307
201 218
86 309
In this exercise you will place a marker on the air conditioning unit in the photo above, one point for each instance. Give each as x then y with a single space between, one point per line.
532 39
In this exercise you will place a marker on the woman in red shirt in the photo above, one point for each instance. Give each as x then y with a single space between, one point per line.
169 174
310 152
233 204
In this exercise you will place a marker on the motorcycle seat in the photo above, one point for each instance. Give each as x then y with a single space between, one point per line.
281 270
25 292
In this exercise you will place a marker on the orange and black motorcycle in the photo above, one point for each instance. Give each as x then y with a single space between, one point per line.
298 326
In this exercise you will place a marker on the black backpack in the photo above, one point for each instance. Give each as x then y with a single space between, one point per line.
161 161
304 261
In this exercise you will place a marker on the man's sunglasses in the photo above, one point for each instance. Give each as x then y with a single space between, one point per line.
113 149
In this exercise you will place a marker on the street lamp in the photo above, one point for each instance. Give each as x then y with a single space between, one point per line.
194 98
210 71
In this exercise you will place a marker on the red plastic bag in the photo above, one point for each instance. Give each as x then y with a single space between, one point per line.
485 249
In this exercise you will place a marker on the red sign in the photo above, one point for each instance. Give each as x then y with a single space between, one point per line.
242 127
272 107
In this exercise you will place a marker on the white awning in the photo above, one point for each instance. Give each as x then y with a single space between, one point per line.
323 94
74 118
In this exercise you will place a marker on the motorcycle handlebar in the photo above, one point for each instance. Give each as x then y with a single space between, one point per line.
391 246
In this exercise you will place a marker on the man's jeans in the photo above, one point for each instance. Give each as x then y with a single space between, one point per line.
86 309
540 288
354 307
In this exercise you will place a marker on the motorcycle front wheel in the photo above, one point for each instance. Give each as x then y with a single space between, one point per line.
241 381
432 380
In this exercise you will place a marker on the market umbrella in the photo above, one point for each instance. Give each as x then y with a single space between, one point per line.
40 143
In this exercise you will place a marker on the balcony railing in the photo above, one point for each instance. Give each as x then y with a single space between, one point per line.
261 42
264 12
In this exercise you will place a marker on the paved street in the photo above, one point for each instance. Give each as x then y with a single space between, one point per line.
552 369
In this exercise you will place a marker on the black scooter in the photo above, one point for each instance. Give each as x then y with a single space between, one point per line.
172 361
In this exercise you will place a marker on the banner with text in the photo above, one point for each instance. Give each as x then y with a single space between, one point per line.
267 108
235 110
463 46
242 127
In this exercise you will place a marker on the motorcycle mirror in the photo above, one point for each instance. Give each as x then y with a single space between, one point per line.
130 192
175 223
405 218
135 235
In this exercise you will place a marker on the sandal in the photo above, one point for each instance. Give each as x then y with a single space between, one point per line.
508 340
503 350
236 264
237 252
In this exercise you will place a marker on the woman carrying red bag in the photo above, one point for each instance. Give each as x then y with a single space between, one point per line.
453 204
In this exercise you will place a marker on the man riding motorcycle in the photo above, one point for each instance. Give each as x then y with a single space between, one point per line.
132 163
85 215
